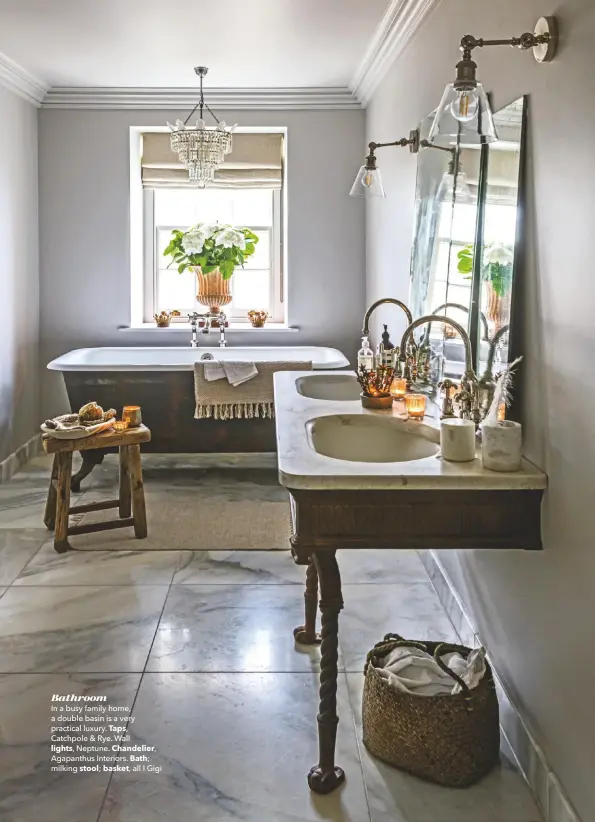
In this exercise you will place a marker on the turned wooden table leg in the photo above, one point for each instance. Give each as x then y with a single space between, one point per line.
326 776
52 500
125 495
139 511
63 501
306 633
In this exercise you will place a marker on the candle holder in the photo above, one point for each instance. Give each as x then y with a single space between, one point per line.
416 406
120 425
132 415
398 388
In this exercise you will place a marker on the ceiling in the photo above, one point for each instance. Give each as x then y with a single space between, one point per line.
156 43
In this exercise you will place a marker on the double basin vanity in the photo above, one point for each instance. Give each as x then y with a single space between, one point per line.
359 478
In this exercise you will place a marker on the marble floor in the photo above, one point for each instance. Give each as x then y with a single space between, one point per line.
200 644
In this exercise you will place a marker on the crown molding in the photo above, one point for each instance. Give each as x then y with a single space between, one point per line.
401 21
17 79
183 98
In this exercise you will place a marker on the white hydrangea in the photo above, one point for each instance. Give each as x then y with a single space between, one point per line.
498 253
229 237
194 239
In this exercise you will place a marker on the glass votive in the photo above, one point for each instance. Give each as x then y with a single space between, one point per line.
120 425
131 414
416 405
398 388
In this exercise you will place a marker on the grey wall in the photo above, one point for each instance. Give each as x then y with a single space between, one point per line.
84 220
19 273
535 612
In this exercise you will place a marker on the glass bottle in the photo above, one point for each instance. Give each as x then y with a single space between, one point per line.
365 356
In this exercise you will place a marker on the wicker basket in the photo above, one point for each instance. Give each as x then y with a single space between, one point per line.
450 739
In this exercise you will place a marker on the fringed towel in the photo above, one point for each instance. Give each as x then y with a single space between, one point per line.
253 399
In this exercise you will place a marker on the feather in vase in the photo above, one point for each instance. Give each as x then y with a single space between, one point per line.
502 393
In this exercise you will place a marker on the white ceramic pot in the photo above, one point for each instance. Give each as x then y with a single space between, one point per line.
501 446
457 440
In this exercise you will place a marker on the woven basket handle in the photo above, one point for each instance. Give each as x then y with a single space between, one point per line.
443 648
388 644
392 641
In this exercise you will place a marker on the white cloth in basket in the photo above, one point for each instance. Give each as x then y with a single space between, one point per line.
414 671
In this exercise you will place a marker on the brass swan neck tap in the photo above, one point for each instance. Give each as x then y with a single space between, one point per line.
374 306
468 397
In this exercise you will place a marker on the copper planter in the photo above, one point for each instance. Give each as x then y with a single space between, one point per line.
213 290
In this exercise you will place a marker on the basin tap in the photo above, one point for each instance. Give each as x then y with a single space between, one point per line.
469 394
374 306
366 327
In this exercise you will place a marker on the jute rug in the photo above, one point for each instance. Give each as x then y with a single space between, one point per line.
190 521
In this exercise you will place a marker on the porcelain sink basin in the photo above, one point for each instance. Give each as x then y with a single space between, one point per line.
366 438
336 387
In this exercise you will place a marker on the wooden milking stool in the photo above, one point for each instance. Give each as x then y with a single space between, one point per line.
131 497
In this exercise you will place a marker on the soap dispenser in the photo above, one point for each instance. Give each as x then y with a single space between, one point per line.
386 349
365 356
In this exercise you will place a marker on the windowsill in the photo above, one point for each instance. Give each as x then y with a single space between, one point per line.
184 328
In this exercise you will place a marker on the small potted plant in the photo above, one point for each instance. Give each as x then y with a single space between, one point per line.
213 252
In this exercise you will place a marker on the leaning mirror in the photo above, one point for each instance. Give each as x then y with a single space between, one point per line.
499 255
466 250
445 225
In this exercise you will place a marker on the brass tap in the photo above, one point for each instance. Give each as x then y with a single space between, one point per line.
374 306
469 395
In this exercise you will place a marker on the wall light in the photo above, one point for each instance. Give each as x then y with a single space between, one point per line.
464 115
368 182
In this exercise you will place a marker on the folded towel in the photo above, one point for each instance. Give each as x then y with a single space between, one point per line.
236 372
221 400
214 371
239 372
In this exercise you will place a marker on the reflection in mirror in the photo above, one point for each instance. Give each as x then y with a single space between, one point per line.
445 225
499 241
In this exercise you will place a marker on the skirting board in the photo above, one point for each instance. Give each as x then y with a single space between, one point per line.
16 460
545 787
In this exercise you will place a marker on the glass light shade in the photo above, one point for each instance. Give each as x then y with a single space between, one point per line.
473 124
368 183
447 188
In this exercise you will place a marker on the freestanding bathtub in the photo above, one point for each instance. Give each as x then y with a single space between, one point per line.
161 381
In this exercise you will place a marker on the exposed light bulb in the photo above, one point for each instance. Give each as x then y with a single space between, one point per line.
464 107
368 179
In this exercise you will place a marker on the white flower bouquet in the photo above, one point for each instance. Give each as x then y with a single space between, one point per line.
212 247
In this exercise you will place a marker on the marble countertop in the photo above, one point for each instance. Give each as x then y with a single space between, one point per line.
301 467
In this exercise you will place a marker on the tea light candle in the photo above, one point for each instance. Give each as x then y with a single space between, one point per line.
416 405
120 425
131 414
398 388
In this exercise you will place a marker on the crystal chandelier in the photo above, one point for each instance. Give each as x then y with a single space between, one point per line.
201 148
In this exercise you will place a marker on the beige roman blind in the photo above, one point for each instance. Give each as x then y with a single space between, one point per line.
255 161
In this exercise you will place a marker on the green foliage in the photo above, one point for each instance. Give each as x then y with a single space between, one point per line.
498 274
209 253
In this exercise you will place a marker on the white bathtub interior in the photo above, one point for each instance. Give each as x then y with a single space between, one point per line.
183 358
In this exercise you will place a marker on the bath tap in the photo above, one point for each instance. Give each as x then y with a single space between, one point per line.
208 318
222 319
469 394
193 320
